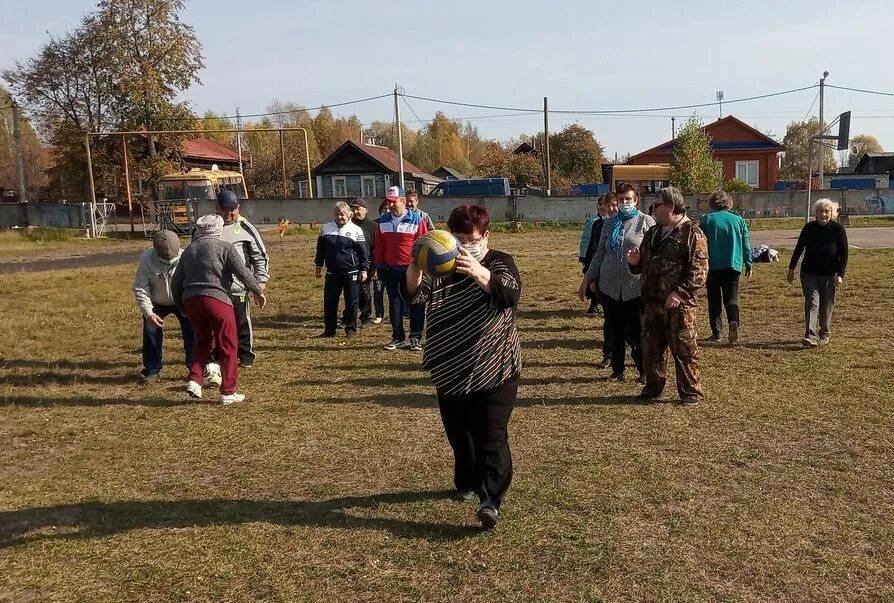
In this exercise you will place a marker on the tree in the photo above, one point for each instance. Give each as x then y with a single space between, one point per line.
384 134
693 167
576 155
121 67
796 141
735 185
35 155
440 143
861 144
212 121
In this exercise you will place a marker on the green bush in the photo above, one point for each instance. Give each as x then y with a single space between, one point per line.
736 186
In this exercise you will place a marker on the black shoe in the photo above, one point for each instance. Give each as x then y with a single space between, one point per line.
488 515
616 376
646 397
247 363
734 332
715 338
149 379
690 401
606 363
327 334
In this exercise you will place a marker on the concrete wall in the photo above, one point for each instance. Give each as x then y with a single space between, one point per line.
55 215
501 209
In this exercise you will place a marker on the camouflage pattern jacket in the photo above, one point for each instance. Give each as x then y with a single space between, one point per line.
676 262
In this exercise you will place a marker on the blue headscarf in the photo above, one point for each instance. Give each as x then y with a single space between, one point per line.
617 234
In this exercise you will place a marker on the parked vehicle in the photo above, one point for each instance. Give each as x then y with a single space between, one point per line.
480 187
179 192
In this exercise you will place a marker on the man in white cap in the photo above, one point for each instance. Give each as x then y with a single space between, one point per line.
396 233
152 290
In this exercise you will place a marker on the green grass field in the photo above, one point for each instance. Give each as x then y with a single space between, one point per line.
331 482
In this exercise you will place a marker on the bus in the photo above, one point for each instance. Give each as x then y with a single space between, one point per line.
178 194
649 178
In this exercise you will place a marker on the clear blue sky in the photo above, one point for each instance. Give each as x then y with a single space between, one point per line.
583 55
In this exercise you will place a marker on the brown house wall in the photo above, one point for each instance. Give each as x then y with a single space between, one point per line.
769 168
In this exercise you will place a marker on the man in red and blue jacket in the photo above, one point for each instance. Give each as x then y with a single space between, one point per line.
396 233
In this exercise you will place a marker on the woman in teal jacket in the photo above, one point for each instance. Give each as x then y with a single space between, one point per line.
729 253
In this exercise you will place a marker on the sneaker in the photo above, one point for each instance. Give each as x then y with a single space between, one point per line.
825 339
807 342
350 334
226 399
247 363
618 377
377 320
715 338
488 515
606 363
149 379
415 346
734 333
646 397
690 401
193 389
466 495
212 375
394 344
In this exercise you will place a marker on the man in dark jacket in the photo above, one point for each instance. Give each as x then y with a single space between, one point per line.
360 207
342 248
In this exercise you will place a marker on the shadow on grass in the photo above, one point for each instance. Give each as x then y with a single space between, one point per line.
38 401
431 401
64 379
547 344
98 365
791 346
99 519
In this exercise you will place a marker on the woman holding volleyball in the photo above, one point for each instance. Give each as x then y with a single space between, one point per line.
473 353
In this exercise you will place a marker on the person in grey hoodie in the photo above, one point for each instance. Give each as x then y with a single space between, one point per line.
152 290
253 254
201 288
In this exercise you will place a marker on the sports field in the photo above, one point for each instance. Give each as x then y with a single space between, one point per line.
332 481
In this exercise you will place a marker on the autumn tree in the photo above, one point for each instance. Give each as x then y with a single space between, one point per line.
384 134
212 121
796 142
122 67
576 156
34 154
693 167
861 144
439 143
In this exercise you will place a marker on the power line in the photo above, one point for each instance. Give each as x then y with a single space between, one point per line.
861 90
610 111
288 111
811 106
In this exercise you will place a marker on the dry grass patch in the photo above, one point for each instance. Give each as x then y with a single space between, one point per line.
331 481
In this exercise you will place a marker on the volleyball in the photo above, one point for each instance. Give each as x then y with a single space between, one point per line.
435 253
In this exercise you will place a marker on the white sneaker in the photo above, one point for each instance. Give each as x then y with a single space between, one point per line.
193 389
212 374
377 320
231 398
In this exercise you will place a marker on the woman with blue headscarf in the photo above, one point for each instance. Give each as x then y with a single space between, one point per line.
620 289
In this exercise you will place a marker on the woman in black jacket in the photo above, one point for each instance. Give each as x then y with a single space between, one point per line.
607 206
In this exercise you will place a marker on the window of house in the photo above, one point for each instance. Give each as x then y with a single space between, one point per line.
749 172
410 186
368 186
303 189
339 186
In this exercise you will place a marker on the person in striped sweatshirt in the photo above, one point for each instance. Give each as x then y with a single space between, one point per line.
473 353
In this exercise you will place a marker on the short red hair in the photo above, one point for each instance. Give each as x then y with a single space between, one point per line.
466 218
624 187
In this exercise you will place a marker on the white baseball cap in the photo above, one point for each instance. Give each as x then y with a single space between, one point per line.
393 193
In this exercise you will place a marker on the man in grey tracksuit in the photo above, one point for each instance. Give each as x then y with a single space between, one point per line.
248 242
152 290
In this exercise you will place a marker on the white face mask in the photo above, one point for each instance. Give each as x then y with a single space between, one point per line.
475 249
626 207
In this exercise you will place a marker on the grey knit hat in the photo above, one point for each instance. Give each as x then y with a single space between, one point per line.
208 226
166 244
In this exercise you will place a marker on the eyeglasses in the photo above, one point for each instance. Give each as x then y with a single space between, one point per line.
465 241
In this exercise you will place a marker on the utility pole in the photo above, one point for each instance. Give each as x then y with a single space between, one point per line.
239 144
400 138
720 101
673 127
127 181
822 127
546 169
20 158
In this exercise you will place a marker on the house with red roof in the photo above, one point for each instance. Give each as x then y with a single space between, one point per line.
746 153
363 170
203 153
